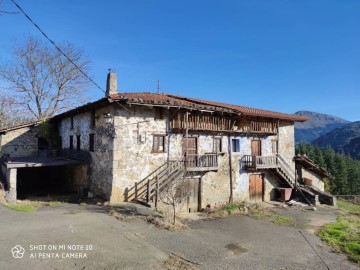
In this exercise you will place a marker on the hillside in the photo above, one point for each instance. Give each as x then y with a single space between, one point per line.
345 139
318 124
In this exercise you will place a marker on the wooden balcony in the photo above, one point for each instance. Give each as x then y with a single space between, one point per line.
260 162
258 127
201 163
202 123
197 122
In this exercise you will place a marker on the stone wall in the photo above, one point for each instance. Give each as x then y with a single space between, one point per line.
317 180
100 161
22 142
117 163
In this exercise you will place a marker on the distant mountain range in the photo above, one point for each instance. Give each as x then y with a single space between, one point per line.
323 130
344 140
318 124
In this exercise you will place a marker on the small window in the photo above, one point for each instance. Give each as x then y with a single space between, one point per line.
60 142
78 142
274 146
235 145
72 122
93 122
217 145
71 138
159 143
92 142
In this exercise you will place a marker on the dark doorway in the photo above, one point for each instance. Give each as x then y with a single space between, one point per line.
44 182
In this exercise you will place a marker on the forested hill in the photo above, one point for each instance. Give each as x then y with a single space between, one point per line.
345 139
346 171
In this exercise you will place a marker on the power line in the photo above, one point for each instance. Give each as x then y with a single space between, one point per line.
64 54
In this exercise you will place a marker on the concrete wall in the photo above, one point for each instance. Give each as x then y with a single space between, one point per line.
22 142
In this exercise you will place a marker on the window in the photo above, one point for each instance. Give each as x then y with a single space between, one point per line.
93 122
78 142
274 146
235 145
71 138
92 142
159 143
217 145
60 142
72 122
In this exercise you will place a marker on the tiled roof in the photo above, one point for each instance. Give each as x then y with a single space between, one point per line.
26 124
186 102
311 166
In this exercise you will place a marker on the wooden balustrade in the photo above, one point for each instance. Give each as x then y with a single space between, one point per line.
201 162
260 162
221 124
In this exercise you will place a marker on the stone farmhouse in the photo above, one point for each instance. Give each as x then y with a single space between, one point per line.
130 146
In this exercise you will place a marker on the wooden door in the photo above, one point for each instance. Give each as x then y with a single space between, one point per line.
256 148
256 188
190 150
193 197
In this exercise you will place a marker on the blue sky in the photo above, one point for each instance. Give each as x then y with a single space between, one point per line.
279 55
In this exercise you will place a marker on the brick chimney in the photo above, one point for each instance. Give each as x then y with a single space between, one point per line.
111 84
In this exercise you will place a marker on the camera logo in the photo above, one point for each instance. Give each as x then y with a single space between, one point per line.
18 252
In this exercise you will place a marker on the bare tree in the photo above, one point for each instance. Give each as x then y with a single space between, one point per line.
175 194
43 81
9 114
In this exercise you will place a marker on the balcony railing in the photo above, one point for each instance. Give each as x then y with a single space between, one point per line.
207 162
221 124
260 162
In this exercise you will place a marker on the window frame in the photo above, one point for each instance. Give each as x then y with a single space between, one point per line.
71 122
235 148
274 146
71 142
217 147
78 142
91 142
92 118
156 143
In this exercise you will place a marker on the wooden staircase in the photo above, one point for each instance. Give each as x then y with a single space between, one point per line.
275 164
149 189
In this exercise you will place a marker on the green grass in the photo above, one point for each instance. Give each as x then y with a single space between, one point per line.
231 207
273 217
349 207
31 206
344 235
21 208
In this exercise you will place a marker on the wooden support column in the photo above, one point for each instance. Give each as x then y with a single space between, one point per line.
230 169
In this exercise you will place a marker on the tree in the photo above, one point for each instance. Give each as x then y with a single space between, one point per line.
341 186
175 193
43 81
9 114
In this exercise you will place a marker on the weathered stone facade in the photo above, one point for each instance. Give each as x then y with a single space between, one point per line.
117 163
22 142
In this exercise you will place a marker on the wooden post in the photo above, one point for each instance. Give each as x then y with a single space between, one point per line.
230 170
148 191
136 190
157 191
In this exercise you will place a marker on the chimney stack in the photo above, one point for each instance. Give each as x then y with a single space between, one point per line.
111 84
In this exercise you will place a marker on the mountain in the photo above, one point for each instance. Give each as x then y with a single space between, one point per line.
318 124
345 139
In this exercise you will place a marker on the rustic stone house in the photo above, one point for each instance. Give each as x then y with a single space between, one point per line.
135 143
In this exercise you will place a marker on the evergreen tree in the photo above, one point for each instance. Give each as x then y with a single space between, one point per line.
341 186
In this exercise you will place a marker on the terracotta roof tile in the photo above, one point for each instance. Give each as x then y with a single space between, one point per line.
186 102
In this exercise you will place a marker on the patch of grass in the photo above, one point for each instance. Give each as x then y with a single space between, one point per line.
21 208
271 216
349 207
231 207
344 236
30 206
